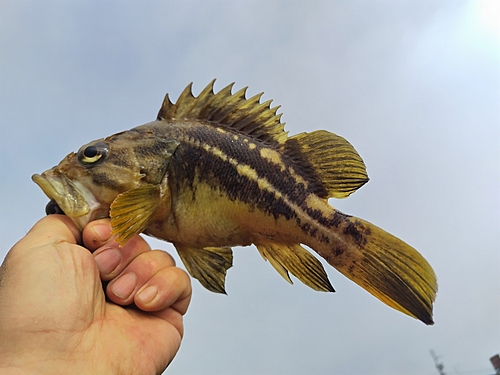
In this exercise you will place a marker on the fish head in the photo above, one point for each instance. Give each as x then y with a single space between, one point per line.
84 184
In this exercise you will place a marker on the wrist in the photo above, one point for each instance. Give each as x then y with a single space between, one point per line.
36 365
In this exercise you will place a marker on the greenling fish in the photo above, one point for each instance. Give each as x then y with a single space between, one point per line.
217 171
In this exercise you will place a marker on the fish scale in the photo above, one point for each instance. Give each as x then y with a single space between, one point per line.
218 170
241 173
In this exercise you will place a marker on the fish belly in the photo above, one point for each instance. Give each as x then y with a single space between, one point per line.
206 217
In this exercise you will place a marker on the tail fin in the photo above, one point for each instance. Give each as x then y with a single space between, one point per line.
385 266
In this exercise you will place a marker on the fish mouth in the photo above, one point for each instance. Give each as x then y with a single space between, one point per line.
70 198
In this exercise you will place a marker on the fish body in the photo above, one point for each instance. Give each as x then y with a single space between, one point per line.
217 171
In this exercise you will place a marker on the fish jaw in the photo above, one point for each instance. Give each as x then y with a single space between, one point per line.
72 197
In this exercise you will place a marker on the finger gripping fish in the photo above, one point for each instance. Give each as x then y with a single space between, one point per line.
218 170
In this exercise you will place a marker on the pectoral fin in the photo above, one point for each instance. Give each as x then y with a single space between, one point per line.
132 211
208 265
299 262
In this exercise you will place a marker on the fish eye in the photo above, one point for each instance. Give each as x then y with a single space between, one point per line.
92 154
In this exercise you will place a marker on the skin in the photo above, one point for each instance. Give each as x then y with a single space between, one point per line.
55 319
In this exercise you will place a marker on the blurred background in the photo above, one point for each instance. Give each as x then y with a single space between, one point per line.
414 86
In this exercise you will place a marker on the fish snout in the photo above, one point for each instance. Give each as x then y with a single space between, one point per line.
69 196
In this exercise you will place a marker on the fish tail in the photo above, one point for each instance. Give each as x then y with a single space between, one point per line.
382 264
385 266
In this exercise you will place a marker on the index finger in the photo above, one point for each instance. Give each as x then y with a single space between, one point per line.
111 258
97 233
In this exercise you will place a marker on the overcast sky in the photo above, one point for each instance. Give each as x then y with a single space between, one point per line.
414 86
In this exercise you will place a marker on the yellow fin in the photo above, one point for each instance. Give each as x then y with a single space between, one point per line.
334 160
132 211
208 265
268 256
299 262
385 266
248 116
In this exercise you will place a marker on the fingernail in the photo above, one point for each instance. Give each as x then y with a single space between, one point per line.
103 232
125 285
147 295
108 260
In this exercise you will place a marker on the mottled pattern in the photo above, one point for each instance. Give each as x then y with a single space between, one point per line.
193 161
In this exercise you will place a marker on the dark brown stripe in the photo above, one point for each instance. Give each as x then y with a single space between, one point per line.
191 164
238 149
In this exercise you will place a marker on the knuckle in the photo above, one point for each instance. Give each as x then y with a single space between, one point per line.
163 257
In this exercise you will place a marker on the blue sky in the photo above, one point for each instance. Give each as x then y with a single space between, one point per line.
414 86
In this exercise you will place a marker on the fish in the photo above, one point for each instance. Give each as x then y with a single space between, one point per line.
219 170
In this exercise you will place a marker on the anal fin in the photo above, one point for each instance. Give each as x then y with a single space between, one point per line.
208 265
299 262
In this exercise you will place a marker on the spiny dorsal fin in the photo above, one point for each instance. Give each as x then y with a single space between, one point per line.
228 110
334 160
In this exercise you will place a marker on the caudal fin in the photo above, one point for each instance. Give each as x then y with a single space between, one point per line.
385 266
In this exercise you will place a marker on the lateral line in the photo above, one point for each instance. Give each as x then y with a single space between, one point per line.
250 173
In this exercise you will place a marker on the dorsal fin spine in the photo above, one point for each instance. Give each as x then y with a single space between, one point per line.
205 97
233 106
185 101
208 90
165 108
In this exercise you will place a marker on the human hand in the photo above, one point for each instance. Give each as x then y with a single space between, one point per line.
54 316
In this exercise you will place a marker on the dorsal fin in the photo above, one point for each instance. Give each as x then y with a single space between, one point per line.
227 110
329 159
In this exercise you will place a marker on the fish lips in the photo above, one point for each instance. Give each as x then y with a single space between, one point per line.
70 197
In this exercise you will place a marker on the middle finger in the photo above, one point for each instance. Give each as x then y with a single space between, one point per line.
111 259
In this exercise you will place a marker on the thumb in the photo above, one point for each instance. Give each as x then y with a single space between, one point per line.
51 272
50 229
